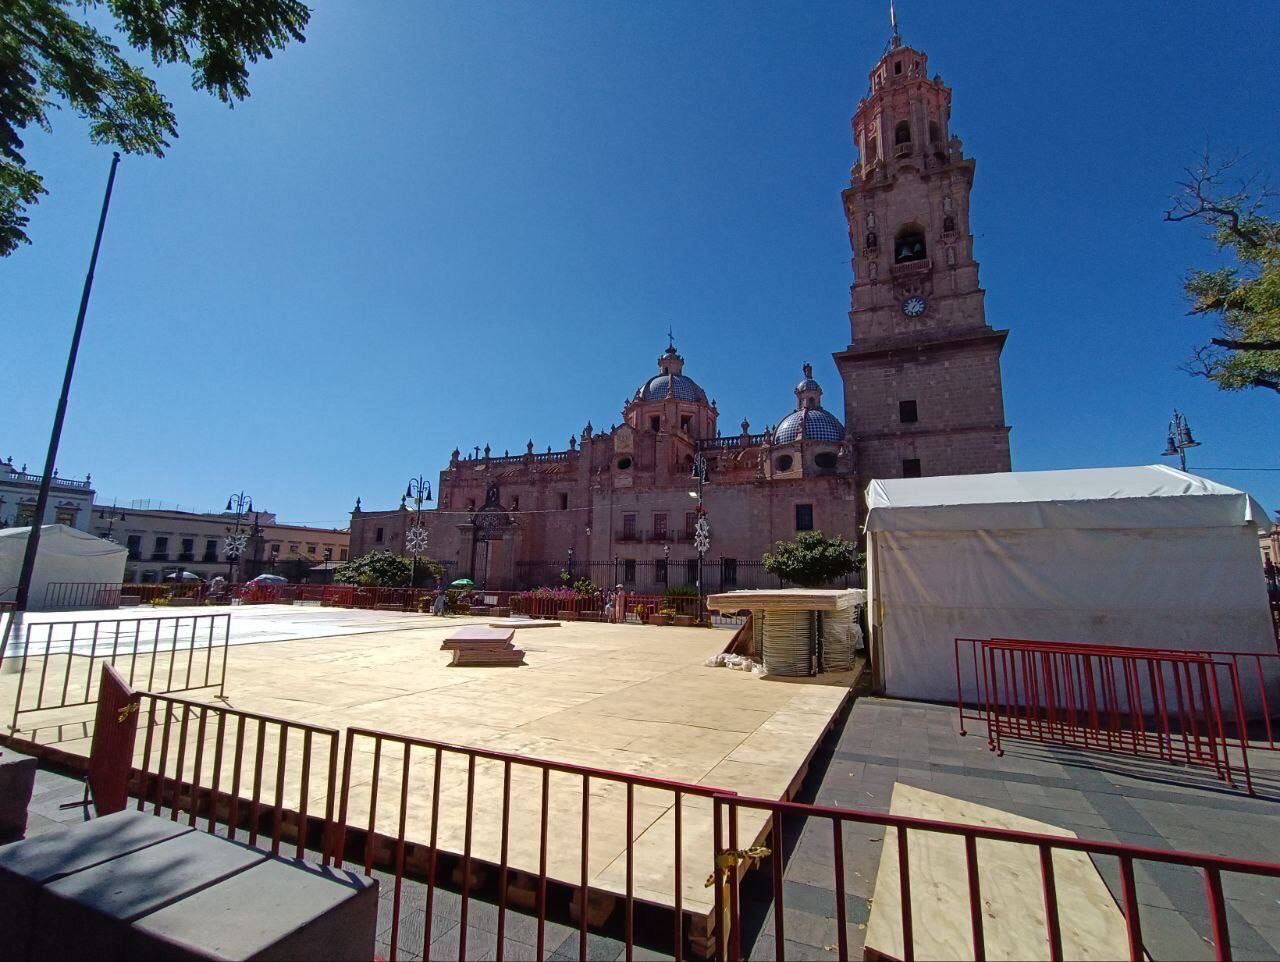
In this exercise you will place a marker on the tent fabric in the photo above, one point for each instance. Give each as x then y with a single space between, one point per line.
1184 578
66 554
1146 496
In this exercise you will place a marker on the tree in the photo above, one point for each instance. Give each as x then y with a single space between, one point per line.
377 569
1245 297
812 559
50 56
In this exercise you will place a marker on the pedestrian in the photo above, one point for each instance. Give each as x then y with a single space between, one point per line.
437 607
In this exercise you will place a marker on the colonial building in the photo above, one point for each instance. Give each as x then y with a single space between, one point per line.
69 498
162 542
922 396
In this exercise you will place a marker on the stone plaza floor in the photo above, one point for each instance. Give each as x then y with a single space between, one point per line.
1097 795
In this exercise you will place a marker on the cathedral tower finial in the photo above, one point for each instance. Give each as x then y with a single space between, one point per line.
896 39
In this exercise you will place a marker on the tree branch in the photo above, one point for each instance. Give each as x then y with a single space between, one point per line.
1245 345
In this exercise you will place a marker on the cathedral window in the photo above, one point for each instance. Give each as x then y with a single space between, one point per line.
825 460
935 135
686 420
785 462
909 246
804 517
629 527
907 412
897 67
624 464
902 133
564 502
948 224
911 467
655 422
872 240
873 149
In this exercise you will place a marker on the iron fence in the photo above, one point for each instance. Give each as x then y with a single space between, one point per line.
655 576
249 774
1187 707
58 660
66 595
472 827
1046 853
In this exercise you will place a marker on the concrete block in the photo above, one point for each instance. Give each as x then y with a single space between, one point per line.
87 915
17 778
279 909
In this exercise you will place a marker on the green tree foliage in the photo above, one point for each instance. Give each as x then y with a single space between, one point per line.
51 56
1244 297
377 569
812 559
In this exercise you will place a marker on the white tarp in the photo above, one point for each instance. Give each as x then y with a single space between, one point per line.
1136 557
65 555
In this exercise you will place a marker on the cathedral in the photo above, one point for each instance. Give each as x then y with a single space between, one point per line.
922 396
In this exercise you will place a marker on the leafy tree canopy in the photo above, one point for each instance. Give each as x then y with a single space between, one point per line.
1244 297
812 559
52 56
382 569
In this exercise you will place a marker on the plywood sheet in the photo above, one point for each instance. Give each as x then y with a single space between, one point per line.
1009 874
807 599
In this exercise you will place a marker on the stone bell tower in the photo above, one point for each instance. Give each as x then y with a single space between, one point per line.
922 374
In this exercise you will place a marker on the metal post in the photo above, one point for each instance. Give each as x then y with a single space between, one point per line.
55 436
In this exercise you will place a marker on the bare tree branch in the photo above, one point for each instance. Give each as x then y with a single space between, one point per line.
1245 345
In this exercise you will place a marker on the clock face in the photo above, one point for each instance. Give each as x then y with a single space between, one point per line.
914 306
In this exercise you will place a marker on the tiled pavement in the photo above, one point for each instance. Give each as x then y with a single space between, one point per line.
1095 795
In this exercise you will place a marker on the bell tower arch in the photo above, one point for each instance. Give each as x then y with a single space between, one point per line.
922 379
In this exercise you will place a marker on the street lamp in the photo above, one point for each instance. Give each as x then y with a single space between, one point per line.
1179 439
111 519
415 539
234 543
701 528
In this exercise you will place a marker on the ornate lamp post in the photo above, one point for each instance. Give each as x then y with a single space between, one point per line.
234 543
1179 439
701 528
111 515
416 538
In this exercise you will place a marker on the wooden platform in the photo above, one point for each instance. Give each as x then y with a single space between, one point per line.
1012 901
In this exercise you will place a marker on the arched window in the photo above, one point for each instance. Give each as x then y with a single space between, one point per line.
902 133
873 148
909 246
948 224
935 135
872 240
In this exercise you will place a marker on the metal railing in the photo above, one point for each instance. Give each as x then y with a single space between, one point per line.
461 777
59 660
730 861
64 595
1186 707
234 768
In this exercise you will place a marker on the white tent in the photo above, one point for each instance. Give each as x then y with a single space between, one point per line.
1136 557
65 555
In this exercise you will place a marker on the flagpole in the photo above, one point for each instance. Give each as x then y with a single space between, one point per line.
42 500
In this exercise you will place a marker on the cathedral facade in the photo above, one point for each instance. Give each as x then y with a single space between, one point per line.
922 396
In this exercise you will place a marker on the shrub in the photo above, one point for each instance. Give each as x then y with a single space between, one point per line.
813 559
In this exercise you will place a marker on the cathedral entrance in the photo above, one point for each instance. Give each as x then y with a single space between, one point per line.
492 538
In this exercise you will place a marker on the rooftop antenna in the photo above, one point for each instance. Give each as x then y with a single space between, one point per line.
896 40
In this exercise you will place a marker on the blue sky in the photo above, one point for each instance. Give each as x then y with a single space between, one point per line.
456 224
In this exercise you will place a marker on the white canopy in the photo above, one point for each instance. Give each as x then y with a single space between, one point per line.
1145 496
66 554
1137 557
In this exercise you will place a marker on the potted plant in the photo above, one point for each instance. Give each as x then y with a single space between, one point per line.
663 616
642 612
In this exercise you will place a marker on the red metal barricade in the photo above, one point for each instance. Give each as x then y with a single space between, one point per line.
1185 707
730 861
111 751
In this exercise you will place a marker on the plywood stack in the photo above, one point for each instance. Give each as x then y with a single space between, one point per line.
483 646
783 622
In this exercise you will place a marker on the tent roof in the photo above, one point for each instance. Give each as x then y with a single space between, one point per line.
60 539
1144 496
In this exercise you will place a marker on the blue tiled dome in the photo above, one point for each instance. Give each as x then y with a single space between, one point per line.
662 386
813 424
808 384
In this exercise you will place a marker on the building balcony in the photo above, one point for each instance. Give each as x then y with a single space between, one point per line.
186 556
628 536
159 556
659 537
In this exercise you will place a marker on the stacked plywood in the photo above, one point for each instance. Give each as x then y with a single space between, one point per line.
483 646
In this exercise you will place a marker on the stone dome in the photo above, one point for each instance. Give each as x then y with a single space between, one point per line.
811 424
670 381
810 421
